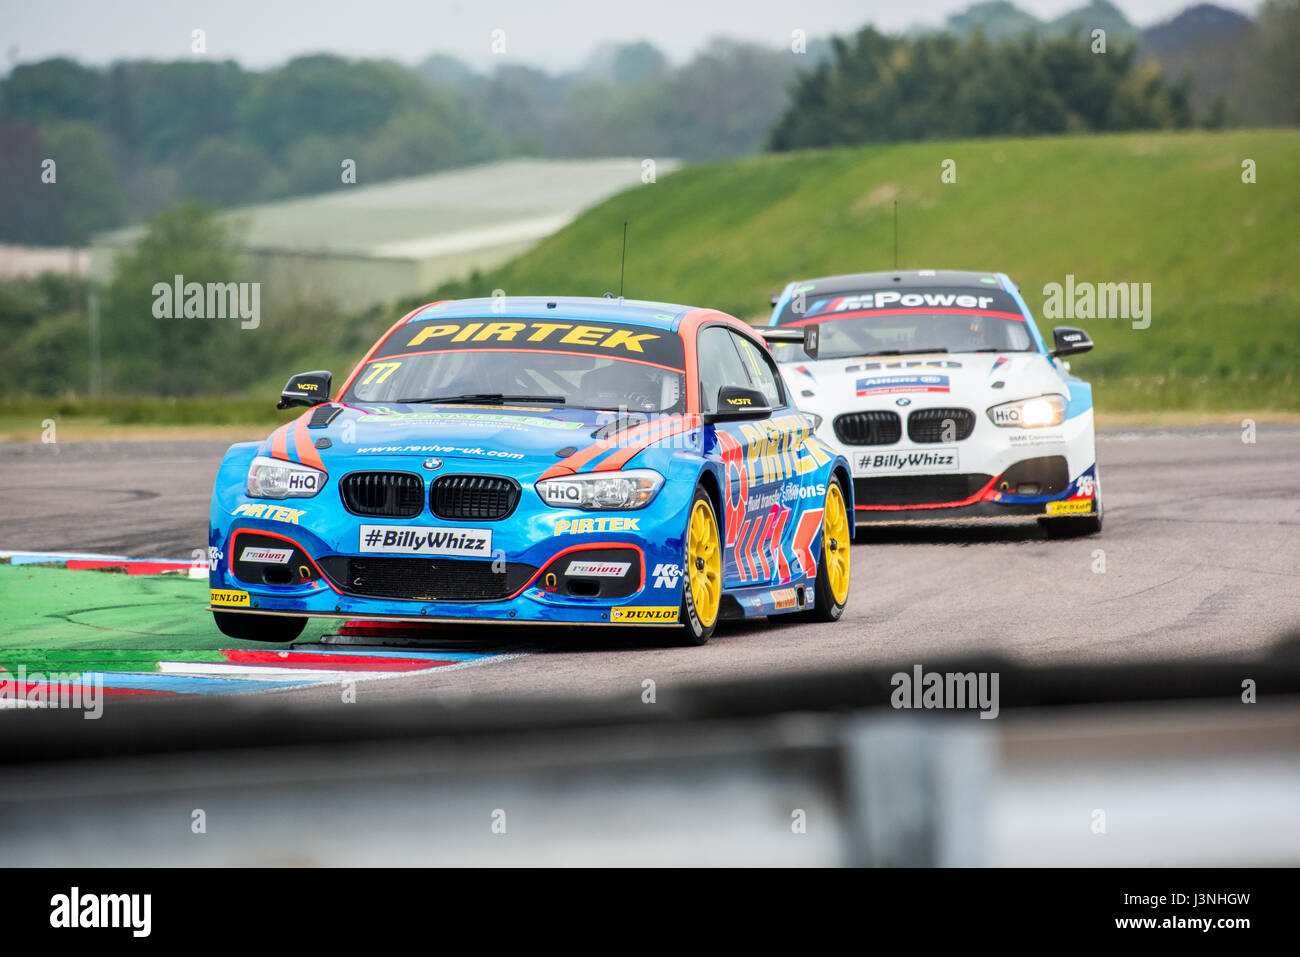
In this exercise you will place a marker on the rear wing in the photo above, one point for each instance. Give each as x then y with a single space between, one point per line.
806 336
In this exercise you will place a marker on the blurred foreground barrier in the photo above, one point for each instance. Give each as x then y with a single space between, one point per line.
1118 766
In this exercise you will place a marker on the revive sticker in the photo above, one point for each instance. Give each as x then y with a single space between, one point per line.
599 569
270 556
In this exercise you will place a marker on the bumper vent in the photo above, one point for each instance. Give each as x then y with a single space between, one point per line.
928 425
876 427
481 498
1049 475
268 560
384 494
425 579
917 489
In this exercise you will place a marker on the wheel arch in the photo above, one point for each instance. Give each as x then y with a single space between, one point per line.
709 481
841 471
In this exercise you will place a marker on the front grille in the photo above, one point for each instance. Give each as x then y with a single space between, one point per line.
426 579
930 425
917 489
483 498
386 494
876 427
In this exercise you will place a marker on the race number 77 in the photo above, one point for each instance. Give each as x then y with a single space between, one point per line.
379 371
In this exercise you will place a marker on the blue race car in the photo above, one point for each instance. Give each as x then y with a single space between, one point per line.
576 461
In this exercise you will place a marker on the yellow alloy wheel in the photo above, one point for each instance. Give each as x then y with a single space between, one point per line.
835 543
704 563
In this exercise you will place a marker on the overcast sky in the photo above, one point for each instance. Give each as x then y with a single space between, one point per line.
554 34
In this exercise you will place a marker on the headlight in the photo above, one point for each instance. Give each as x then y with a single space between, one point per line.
601 491
814 420
1036 413
275 478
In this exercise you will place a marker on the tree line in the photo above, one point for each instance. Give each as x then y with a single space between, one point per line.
878 88
137 137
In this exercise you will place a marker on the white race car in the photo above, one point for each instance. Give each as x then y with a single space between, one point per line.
938 388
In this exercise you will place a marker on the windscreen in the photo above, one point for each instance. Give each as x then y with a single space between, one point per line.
581 364
902 321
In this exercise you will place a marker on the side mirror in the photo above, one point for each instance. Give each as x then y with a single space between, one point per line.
736 404
807 337
776 297
1070 341
306 388
811 337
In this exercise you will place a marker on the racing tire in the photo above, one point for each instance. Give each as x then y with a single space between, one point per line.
280 629
702 581
834 570
1076 526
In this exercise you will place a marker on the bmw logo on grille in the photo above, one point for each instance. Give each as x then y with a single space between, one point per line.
432 464
903 401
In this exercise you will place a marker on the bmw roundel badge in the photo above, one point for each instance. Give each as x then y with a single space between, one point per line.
903 401
433 464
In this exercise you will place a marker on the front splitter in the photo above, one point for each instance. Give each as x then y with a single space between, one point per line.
433 619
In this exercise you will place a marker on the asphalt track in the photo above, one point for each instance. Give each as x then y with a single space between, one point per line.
1200 557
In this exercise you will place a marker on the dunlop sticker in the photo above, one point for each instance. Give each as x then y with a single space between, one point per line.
1073 506
644 616
217 596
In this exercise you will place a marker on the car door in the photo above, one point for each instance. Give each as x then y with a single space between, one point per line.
755 458
791 466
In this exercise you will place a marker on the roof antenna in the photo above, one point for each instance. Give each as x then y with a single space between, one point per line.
895 235
622 263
